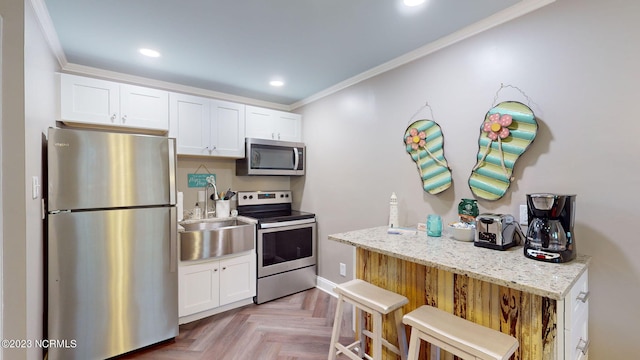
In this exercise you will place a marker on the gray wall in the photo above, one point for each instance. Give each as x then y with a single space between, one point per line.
578 63
40 96
28 108
14 283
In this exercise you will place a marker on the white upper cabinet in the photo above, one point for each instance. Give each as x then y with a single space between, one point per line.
273 124
227 128
207 127
105 103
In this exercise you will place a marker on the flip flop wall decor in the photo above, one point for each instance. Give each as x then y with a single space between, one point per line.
424 142
506 133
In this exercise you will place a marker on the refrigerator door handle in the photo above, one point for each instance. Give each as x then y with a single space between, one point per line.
172 171
173 246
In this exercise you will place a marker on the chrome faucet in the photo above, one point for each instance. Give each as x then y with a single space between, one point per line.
211 182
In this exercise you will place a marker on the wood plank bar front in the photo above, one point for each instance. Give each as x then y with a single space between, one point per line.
529 318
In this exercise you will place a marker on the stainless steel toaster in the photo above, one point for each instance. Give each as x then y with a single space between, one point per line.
497 231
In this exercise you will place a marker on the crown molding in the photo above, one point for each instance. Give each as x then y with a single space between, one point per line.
83 70
49 31
508 14
501 17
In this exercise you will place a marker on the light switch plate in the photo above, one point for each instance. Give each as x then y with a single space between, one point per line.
524 217
35 187
343 269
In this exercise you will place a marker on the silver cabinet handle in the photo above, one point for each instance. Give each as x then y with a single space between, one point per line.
583 345
278 136
113 117
583 296
216 269
224 268
124 119
273 135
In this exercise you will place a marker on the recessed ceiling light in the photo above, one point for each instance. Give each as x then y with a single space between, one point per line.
149 53
276 83
413 2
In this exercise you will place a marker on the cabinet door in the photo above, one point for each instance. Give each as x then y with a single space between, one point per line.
259 122
190 117
237 278
273 124
144 108
576 319
227 129
199 287
88 100
288 126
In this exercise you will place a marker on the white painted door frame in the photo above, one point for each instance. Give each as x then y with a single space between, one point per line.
1 198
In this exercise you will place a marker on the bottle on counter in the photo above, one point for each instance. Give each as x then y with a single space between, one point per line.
197 212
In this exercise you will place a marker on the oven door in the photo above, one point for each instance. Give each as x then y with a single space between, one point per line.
287 247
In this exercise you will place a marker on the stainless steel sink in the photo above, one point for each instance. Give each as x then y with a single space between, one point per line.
207 239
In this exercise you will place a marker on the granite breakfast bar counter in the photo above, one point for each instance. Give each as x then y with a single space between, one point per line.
531 300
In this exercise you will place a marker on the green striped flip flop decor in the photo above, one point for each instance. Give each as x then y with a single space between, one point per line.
506 133
424 142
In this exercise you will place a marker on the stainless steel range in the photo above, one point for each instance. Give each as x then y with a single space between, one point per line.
286 243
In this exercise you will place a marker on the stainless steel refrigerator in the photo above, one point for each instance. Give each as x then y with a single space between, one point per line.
111 247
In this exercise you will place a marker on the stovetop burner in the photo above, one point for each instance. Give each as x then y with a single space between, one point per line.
269 206
277 216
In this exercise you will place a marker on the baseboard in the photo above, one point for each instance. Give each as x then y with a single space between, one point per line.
326 286
203 314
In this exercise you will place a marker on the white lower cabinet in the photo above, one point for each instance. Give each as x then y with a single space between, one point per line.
209 287
199 287
575 321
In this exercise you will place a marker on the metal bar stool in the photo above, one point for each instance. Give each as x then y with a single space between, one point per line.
456 335
376 301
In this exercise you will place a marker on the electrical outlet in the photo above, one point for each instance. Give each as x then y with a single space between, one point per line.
343 269
524 217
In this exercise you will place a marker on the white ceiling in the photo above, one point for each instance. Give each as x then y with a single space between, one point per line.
237 46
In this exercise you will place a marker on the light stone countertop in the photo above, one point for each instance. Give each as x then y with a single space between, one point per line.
508 268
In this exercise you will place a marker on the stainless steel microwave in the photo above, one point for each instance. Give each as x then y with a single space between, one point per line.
272 157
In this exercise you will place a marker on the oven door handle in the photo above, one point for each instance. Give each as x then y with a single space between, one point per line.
286 223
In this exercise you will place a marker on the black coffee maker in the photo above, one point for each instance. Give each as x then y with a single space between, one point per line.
550 235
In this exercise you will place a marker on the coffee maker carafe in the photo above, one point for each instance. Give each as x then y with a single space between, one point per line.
550 234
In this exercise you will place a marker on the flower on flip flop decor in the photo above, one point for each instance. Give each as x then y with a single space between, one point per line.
416 138
497 126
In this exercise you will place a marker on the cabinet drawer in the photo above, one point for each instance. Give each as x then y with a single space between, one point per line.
577 302
578 337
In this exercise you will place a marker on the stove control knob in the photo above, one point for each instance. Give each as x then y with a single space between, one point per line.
244 197
250 196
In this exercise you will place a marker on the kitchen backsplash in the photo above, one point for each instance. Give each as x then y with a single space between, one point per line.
225 170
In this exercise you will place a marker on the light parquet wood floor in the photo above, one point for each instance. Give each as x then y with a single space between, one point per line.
294 327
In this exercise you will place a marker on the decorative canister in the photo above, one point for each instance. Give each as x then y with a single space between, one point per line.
468 210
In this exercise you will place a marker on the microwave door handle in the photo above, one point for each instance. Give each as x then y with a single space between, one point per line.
296 158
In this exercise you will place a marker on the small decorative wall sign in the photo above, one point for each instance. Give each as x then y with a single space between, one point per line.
196 180
424 141
505 134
